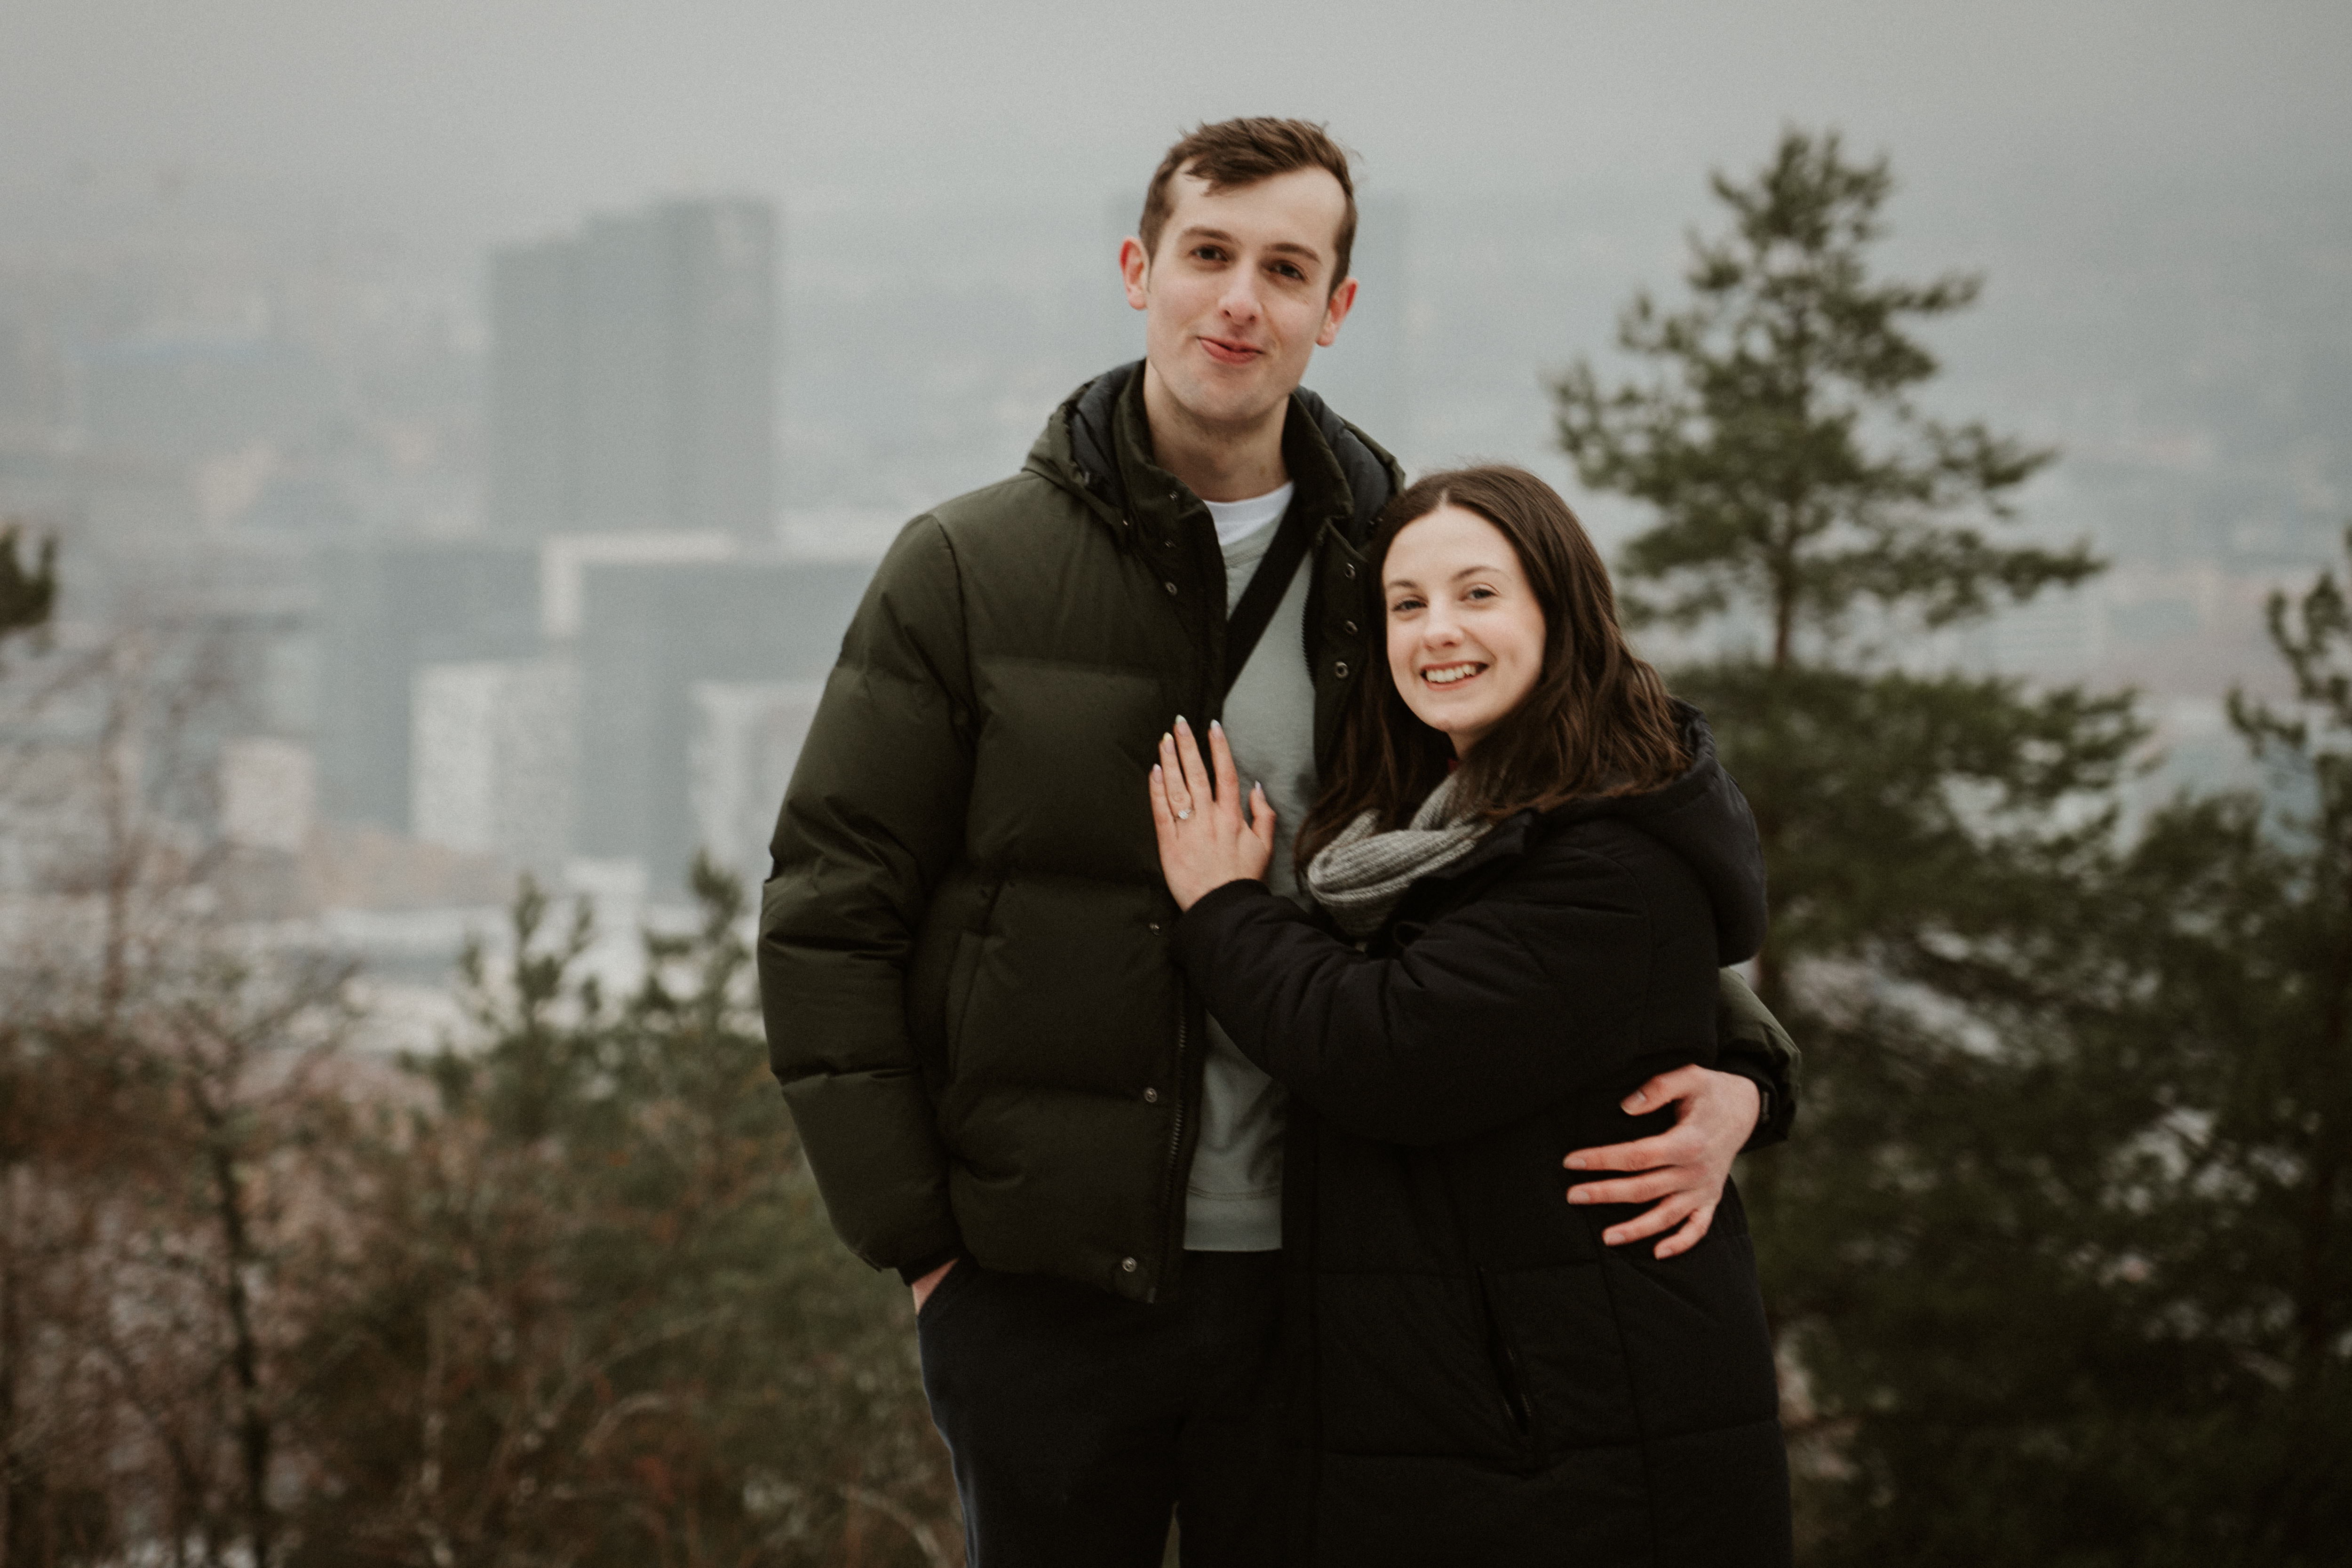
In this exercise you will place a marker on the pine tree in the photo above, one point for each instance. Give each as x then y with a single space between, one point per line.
1800 489
1923 830
2227 936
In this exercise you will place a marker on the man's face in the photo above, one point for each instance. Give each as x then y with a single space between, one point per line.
1239 295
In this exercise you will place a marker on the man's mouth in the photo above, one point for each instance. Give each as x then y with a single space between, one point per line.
1450 674
1226 352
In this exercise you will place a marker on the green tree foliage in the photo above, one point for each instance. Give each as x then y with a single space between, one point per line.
597 1316
1798 486
2095 1305
2233 916
1930 838
561 1292
2059 1262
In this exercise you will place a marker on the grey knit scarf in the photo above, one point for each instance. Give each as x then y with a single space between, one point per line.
1361 874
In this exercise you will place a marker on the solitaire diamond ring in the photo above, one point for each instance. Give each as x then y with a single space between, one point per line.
1185 814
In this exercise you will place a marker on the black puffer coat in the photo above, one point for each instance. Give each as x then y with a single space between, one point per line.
1479 1378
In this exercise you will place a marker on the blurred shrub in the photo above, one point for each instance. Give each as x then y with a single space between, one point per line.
589 1309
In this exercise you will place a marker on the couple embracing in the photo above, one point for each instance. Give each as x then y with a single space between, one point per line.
1246 944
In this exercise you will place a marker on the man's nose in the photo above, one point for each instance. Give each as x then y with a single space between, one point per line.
1240 301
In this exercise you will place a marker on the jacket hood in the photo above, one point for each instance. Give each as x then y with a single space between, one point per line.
1079 447
1703 818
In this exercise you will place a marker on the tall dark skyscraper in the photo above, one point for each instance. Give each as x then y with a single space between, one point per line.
633 374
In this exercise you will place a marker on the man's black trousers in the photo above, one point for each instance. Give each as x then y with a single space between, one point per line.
1079 1420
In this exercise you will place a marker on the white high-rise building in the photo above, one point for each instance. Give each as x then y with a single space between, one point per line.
492 759
632 374
269 790
747 736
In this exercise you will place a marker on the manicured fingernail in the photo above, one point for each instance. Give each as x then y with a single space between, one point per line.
1155 770
1579 1195
1574 1162
1180 722
1635 1102
1216 727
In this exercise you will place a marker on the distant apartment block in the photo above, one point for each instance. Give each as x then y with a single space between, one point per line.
632 381
387 608
689 721
491 759
620 699
747 738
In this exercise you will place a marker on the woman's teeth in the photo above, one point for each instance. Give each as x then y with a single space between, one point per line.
1451 673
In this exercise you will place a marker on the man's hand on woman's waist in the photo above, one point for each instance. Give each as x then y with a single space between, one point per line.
1680 1172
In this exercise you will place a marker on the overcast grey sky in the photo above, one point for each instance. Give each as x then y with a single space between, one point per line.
496 117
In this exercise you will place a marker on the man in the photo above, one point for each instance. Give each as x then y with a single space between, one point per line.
1001 1085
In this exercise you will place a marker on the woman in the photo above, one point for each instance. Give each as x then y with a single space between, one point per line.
1534 866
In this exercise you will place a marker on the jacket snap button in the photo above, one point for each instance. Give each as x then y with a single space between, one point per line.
1171 589
1350 626
1127 1265
1150 1097
1154 924
1341 669
1349 571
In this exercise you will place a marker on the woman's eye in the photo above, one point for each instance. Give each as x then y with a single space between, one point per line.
1479 594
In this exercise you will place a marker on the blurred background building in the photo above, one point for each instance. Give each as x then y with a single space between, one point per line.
632 374
525 517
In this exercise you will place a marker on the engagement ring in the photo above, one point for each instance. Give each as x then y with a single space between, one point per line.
1185 814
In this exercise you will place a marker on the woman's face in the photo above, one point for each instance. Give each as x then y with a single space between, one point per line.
1465 633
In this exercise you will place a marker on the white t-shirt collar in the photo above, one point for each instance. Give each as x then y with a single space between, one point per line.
1237 520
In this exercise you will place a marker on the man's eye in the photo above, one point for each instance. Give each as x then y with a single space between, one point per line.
1293 273
1208 253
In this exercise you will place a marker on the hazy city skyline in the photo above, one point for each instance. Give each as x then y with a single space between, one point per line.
250 341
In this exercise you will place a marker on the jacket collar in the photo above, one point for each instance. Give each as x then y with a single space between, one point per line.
1097 445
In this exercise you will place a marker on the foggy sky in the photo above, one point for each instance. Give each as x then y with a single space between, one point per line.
483 120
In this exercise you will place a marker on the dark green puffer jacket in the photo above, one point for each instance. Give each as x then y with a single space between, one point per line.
963 950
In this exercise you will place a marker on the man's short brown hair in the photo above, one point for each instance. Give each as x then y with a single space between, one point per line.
1242 153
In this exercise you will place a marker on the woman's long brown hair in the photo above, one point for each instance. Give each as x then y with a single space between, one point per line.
1597 723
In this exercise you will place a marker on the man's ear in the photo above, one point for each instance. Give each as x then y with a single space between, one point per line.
1343 300
1133 266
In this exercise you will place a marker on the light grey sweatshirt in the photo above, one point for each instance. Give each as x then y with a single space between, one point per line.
1233 1200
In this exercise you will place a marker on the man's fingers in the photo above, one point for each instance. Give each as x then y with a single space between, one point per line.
1659 1217
1693 1232
1638 1189
1669 1148
1667 1087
